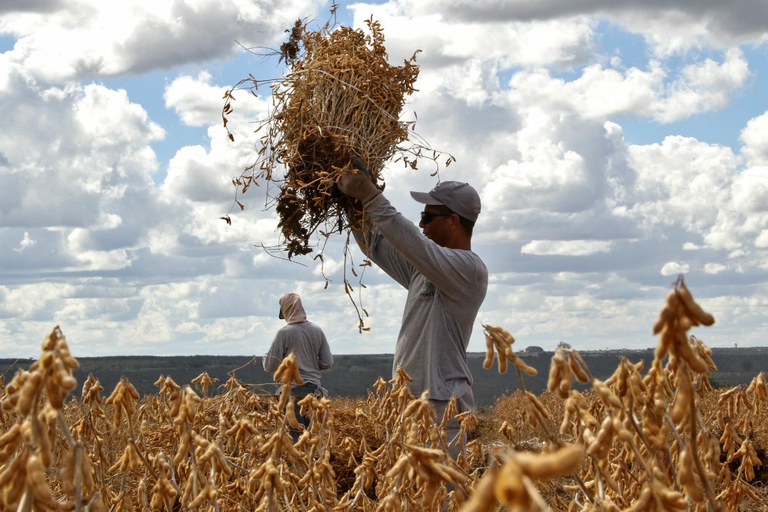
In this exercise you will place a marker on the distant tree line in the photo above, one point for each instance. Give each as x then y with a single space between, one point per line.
355 375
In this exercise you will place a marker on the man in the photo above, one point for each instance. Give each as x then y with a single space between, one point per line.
446 284
308 342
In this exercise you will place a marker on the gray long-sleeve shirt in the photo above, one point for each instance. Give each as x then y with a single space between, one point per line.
446 288
310 345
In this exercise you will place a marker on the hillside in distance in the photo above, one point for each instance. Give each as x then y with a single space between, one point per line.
355 375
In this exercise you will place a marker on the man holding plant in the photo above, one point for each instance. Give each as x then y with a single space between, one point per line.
446 284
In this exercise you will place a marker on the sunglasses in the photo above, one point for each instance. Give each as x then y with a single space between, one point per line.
427 217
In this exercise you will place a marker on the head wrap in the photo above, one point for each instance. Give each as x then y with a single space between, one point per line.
291 308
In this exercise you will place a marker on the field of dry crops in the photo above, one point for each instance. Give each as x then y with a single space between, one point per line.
656 438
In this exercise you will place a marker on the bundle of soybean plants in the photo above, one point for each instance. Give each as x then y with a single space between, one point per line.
336 108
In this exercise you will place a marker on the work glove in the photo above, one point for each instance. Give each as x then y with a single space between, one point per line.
357 183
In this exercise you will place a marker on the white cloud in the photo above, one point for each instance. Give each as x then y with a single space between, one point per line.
741 221
87 38
703 87
750 190
684 25
676 25
565 247
446 40
672 268
550 178
26 242
714 268
96 150
601 92
755 138
680 182
198 103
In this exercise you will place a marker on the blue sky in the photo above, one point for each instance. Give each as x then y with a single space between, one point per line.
615 145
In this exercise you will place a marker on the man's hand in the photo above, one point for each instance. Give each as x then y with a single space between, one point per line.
358 185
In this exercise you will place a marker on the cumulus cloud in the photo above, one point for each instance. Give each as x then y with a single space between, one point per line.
670 25
91 155
195 100
566 247
703 86
82 39
755 139
26 242
680 182
741 221
446 40
673 268
199 178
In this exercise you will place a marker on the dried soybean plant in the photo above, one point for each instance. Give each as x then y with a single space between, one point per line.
646 443
339 102
659 438
635 442
337 108
404 462
177 450
515 476
31 446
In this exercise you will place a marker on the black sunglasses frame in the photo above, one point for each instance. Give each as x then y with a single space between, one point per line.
427 217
